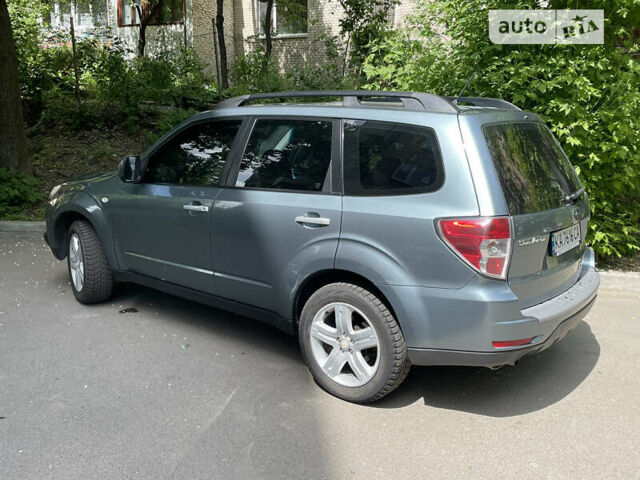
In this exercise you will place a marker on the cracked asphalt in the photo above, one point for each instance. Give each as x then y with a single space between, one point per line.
180 390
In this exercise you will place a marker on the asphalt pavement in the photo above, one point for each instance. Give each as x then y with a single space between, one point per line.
177 390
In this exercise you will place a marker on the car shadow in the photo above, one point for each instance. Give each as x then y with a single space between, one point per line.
536 382
215 321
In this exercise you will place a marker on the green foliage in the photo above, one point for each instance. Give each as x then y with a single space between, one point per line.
115 90
165 120
249 74
588 94
363 21
113 87
25 22
18 193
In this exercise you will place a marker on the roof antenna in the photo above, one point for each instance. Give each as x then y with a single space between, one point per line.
466 85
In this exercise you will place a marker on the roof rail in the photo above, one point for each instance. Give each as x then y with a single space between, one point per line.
351 98
484 102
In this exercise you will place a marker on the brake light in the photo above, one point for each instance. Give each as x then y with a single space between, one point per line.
484 243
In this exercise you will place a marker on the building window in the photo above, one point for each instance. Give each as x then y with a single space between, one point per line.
169 11
388 9
285 20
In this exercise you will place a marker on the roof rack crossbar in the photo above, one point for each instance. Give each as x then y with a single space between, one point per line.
412 100
484 102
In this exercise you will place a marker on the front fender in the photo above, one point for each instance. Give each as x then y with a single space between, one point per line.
75 205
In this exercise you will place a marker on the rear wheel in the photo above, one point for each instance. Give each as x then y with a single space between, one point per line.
91 278
352 344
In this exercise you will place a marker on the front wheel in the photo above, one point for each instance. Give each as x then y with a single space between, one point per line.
352 344
91 278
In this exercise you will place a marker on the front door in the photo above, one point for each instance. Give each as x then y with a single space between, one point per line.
280 219
162 225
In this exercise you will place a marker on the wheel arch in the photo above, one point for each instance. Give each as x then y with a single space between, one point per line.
324 277
84 208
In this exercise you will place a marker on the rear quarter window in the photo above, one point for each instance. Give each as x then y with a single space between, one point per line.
533 170
384 158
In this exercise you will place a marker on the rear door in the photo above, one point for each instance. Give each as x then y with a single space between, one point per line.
539 186
279 218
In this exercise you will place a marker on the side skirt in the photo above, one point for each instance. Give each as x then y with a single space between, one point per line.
265 316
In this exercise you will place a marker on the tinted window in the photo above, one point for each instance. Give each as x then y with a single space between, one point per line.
533 170
195 156
287 154
392 158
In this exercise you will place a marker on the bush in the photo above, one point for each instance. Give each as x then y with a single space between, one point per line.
250 74
588 94
18 192
115 90
113 86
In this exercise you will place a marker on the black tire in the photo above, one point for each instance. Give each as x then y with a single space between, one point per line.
98 280
393 362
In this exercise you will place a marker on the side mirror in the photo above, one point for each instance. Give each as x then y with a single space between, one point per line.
129 170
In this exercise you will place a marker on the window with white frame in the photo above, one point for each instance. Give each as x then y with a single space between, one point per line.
168 12
288 18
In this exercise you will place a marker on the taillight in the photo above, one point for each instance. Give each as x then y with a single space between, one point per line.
482 242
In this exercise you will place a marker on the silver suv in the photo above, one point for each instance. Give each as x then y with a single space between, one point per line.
385 229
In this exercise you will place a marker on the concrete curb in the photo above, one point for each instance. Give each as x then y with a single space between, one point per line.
8 226
620 280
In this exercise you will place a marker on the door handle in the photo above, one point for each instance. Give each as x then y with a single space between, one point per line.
318 221
195 208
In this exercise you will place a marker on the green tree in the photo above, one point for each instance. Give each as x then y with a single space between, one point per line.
363 22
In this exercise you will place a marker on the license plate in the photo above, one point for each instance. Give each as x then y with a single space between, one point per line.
566 239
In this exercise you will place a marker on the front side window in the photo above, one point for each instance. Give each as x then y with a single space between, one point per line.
287 155
390 158
286 19
534 172
195 156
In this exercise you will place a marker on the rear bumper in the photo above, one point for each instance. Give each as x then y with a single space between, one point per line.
420 356
458 327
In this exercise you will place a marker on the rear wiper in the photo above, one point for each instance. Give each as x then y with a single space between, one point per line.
572 198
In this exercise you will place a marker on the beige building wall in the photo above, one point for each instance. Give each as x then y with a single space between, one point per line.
241 29
204 14
323 17
402 10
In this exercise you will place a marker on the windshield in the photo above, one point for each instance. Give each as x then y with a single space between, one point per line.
534 172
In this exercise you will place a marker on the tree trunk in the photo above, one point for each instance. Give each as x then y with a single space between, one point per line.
142 39
76 72
224 69
268 44
13 149
142 32
145 20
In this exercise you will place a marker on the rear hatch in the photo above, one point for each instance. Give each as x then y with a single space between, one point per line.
549 210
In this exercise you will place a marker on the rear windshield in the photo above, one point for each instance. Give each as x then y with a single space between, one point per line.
534 172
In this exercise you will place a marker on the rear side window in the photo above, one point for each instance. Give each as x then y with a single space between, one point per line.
287 155
195 156
382 158
534 172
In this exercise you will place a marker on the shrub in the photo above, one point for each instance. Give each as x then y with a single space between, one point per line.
588 94
250 74
18 193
